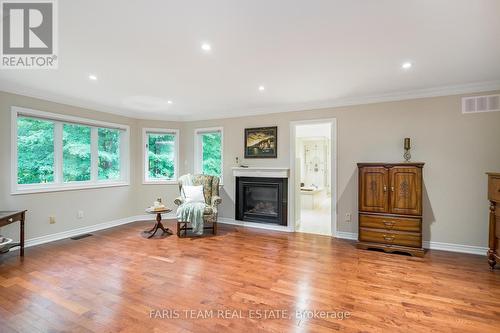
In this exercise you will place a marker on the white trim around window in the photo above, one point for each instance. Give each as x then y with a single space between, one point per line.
145 162
198 149
58 185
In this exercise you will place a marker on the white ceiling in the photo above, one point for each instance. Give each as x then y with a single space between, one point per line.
307 54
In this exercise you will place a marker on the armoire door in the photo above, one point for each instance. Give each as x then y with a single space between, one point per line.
406 190
374 183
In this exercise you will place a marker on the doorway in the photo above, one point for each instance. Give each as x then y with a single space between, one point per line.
313 171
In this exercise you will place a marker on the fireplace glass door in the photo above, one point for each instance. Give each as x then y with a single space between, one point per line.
261 201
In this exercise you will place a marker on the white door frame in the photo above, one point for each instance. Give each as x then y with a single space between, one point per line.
333 169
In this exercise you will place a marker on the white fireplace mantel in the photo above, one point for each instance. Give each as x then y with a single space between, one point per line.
261 172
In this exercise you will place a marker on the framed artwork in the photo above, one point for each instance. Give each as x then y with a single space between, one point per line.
261 142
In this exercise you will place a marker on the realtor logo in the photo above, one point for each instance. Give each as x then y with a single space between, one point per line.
28 34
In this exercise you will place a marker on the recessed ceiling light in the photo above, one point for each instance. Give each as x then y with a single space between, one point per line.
206 47
262 88
146 103
169 102
406 65
92 77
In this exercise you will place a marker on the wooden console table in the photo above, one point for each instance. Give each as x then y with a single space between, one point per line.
8 217
494 239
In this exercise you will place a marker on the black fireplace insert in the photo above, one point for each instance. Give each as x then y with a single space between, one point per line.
262 200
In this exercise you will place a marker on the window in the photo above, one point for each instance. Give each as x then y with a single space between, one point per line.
109 153
208 151
76 153
35 146
161 155
53 152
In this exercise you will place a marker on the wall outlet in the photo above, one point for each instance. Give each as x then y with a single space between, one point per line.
348 217
79 214
52 219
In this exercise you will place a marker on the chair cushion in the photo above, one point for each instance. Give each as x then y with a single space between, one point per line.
193 193
210 185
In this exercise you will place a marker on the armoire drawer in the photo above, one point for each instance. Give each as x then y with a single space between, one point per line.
389 223
390 237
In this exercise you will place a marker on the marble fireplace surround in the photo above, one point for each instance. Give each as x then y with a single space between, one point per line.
261 172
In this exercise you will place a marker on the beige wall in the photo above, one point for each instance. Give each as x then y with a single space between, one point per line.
457 149
99 205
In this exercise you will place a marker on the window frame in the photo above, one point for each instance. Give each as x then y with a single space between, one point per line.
198 149
59 185
145 161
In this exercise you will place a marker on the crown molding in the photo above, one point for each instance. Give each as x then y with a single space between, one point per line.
468 88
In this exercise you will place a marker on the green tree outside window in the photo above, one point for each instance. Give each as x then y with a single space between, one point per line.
76 153
109 153
35 151
161 156
211 144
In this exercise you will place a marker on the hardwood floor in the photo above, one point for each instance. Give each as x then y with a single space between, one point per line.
115 281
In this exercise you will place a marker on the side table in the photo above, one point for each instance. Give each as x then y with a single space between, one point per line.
158 224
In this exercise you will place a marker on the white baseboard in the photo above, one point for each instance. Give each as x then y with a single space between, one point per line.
226 220
347 235
84 230
479 250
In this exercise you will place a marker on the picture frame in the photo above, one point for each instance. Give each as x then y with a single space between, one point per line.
261 142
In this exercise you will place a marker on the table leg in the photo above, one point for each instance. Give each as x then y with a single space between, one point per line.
154 232
158 225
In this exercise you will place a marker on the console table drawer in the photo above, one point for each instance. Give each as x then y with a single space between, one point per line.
8 217
390 237
389 223
494 189
11 219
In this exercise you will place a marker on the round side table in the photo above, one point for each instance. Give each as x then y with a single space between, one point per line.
158 224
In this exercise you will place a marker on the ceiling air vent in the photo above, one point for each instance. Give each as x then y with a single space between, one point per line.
477 104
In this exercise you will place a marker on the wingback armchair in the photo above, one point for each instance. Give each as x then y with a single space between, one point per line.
212 201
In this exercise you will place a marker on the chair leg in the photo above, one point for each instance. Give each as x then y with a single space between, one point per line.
182 228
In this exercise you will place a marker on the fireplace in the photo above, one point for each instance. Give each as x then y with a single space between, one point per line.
262 200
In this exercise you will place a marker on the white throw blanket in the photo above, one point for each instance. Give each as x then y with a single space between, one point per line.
192 212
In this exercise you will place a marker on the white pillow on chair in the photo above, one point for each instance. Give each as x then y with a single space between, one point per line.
193 193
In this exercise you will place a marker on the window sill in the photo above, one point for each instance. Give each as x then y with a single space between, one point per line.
160 182
69 187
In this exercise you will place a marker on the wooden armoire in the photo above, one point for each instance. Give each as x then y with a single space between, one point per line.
390 207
